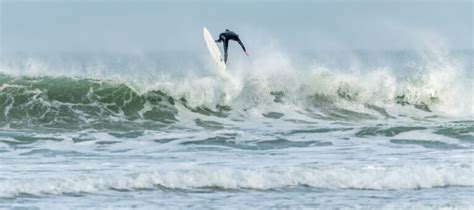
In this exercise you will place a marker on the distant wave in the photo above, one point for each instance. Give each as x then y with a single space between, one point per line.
368 178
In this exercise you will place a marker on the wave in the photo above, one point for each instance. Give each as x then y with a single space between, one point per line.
75 103
33 92
367 178
79 102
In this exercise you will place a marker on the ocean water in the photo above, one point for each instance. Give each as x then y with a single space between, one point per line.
364 130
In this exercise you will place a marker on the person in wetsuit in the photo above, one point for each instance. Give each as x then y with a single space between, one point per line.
230 35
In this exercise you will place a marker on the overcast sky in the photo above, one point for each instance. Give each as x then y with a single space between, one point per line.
128 26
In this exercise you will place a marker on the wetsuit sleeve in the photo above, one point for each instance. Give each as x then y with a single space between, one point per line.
220 38
241 44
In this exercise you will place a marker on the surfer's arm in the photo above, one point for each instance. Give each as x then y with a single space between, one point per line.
242 45
220 38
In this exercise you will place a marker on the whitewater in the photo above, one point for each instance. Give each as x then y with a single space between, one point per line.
363 129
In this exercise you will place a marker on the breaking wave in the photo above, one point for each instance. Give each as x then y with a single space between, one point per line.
368 178
34 93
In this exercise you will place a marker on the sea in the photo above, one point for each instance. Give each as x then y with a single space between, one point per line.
358 129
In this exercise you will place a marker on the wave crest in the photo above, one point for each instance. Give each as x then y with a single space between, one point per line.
368 178
78 103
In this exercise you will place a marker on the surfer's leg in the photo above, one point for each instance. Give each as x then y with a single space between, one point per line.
226 44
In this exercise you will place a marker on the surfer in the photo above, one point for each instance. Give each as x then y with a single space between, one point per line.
225 37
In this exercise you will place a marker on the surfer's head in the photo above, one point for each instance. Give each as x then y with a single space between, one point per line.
227 30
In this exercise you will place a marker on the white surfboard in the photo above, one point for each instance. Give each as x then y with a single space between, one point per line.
213 49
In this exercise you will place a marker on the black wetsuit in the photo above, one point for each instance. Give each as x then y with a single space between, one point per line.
225 37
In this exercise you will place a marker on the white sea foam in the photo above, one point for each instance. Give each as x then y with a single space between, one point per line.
370 178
